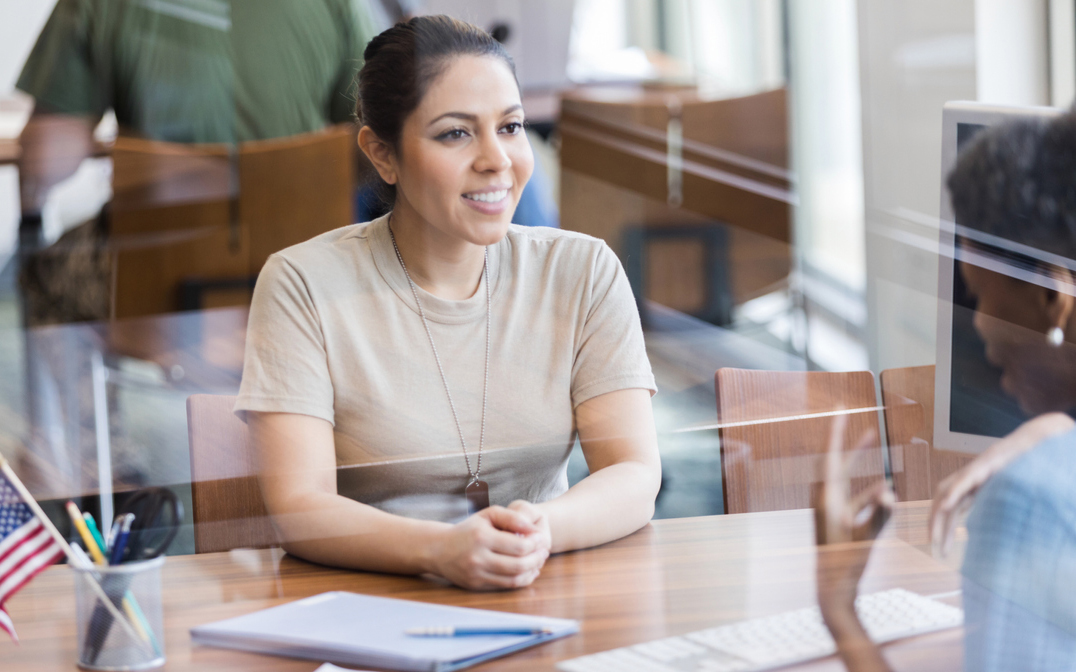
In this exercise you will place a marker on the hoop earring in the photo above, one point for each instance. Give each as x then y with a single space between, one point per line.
1055 337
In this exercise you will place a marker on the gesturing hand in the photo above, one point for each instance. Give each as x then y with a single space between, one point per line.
496 548
847 521
845 528
956 493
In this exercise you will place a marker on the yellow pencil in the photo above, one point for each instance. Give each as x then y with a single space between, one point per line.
135 621
84 532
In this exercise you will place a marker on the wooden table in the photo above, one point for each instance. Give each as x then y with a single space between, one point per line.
672 577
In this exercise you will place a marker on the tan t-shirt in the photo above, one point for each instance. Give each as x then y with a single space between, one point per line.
335 333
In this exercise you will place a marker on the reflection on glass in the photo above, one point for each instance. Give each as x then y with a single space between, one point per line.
1020 532
749 196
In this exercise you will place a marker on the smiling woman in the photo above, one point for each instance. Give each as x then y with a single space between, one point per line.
415 384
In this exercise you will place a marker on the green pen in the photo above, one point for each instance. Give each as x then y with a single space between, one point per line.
94 532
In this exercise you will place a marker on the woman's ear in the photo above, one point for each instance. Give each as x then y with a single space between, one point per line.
1060 301
379 153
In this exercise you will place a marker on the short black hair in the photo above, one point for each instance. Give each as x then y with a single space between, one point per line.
1017 181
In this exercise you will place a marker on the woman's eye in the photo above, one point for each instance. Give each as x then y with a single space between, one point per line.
454 134
513 128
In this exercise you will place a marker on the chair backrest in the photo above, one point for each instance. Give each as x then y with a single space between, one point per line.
170 218
908 397
202 215
775 428
228 508
292 189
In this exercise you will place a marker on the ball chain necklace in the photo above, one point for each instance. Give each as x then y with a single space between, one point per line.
477 490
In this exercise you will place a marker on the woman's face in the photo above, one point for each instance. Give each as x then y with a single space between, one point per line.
463 158
1012 318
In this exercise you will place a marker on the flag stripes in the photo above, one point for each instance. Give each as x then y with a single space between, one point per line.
26 548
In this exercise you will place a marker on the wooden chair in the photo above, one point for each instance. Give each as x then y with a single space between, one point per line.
908 397
192 225
775 428
228 508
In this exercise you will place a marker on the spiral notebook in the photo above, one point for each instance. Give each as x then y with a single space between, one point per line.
353 629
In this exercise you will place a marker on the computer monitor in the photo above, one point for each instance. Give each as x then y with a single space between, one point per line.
971 411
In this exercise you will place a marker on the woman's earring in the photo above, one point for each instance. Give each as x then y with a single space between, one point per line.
1055 337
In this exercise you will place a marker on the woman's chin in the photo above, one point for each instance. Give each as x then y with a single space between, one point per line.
489 232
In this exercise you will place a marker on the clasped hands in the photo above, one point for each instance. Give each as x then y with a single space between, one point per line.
495 549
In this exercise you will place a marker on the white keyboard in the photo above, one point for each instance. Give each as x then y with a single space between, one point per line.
773 641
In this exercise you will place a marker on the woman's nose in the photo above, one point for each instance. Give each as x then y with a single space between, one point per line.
492 156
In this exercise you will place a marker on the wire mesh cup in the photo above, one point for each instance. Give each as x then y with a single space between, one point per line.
128 633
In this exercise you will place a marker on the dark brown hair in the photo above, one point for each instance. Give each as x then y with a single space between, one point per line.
401 63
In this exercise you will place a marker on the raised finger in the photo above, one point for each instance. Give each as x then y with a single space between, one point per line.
833 451
866 442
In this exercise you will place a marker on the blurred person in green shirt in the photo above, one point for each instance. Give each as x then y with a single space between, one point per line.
185 71
191 71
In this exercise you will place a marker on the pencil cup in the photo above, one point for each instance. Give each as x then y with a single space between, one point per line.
134 592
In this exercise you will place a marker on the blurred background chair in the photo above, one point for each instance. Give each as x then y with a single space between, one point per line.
775 427
192 225
228 508
918 468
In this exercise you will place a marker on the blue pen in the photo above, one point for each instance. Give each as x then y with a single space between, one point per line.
110 540
477 631
121 538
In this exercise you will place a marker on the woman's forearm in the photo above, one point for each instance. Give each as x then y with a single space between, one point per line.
607 505
334 530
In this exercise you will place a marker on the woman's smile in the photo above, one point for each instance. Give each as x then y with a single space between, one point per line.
489 201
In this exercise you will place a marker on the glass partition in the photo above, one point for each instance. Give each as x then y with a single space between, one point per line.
590 260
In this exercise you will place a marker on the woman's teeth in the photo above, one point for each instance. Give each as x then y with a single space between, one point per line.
489 196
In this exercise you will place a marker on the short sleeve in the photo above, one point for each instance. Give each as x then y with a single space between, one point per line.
358 30
610 352
59 73
285 369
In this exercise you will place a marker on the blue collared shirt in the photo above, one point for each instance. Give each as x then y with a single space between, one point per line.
1020 566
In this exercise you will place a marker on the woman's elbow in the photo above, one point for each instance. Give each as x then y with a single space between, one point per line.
648 485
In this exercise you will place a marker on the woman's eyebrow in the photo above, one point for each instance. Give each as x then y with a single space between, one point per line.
472 117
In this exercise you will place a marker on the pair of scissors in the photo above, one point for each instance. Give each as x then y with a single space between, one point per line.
157 516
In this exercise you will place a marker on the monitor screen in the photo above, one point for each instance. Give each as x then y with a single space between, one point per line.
971 410
977 403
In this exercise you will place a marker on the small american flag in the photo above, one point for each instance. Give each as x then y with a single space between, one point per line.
26 548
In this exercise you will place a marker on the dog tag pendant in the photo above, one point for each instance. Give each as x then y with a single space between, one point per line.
477 495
